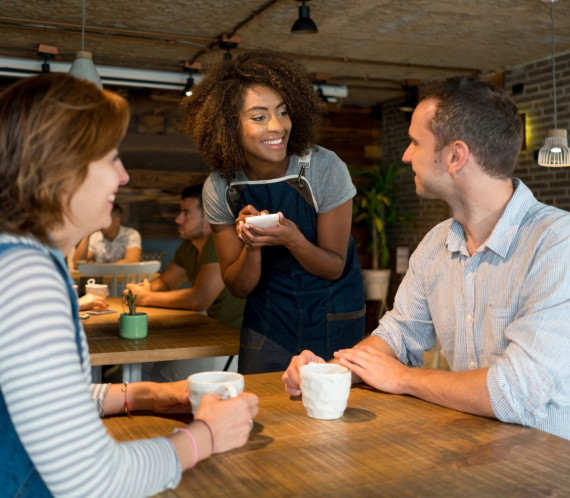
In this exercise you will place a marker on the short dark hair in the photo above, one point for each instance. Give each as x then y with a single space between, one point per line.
480 114
193 192
211 113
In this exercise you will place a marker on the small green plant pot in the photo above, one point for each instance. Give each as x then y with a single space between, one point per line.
133 326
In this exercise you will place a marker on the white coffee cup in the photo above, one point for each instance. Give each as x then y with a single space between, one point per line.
97 289
75 288
226 384
325 388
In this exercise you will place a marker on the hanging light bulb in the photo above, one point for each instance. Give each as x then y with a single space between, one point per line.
188 87
554 152
83 67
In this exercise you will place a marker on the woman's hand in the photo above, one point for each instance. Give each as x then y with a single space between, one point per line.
92 302
286 233
248 210
230 419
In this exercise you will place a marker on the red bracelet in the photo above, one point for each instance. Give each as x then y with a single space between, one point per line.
126 405
194 445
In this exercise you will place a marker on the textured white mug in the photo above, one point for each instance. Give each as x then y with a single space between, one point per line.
226 384
325 388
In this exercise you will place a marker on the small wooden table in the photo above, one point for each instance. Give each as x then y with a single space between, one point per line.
172 335
384 445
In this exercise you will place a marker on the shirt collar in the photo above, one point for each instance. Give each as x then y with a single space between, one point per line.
506 228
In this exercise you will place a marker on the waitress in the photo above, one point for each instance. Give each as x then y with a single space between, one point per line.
255 119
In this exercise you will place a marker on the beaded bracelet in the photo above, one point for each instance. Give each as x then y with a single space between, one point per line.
194 445
126 405
209 429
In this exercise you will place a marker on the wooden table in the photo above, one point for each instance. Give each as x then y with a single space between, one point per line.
172 335
384 445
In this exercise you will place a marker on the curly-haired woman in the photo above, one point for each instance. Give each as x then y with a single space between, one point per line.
255 119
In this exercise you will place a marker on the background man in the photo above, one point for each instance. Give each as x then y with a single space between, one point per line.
115 244
195 262
492 283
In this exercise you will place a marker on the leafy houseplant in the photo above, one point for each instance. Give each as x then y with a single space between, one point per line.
132 325
374 205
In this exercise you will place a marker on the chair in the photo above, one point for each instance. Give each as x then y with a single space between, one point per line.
120 274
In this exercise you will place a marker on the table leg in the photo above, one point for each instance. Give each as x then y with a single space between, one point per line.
132 372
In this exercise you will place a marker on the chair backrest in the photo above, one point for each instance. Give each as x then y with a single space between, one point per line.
120 274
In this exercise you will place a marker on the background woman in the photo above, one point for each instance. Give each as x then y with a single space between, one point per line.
255 119
60 172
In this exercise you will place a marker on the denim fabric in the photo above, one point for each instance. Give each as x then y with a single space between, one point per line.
18 476
291 309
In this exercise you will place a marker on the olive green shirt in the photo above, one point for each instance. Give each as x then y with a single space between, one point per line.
226 308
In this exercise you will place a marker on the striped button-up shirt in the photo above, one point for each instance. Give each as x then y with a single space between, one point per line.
506 307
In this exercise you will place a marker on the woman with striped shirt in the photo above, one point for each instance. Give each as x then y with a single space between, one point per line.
60 172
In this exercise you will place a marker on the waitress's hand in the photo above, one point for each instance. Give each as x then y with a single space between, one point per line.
286 233
248 210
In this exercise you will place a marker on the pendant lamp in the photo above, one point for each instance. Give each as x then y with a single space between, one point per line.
304 25
554 152
83 66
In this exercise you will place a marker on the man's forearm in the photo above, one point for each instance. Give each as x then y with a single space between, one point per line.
186 299
464 391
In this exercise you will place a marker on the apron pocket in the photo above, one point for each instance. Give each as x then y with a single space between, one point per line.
350 315
250 339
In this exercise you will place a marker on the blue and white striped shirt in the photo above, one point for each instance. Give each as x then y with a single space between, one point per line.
49 396
506 307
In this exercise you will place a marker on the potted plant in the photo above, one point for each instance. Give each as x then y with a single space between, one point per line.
374 205
132 324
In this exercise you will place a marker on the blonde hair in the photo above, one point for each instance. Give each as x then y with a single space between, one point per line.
51 127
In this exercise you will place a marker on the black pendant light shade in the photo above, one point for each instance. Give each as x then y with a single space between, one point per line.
304 25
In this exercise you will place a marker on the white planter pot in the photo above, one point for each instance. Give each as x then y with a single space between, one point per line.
376 284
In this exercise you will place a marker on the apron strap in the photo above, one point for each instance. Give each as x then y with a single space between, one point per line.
303 164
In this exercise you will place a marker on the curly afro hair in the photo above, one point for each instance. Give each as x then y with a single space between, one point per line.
211 113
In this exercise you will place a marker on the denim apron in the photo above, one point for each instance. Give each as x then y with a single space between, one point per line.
18 476
291 309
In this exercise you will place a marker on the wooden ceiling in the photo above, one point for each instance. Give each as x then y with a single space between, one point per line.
374 47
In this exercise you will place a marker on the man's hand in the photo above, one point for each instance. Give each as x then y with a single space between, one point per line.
291 376
142 290
375 367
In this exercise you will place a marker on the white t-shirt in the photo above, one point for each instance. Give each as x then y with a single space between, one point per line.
109 251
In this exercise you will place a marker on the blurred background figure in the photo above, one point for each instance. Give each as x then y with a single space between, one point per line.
114 244
196 263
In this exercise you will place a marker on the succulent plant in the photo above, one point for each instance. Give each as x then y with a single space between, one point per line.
129 299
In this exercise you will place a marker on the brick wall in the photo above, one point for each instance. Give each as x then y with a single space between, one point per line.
549 185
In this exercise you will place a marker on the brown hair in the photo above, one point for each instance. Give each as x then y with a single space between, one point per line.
211 113
51 127
480 114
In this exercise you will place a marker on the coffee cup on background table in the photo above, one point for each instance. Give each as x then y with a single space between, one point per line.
226 384
101 290
325 388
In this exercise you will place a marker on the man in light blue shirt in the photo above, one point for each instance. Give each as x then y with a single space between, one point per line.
492 283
